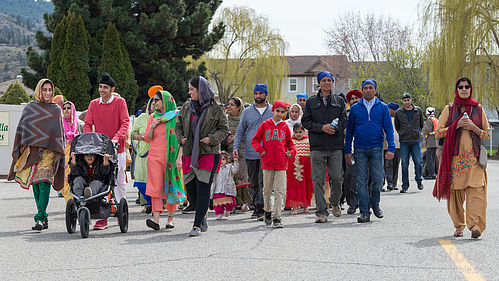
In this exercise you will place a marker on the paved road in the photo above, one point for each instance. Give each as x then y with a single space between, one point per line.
405 245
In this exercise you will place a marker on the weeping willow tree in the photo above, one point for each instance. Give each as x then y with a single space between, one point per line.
249 53
465 43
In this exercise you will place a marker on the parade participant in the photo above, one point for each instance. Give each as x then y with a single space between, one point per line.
301 99
462 175
368 123
409 122
273 142
295 114
299 186
392 166
141 148
251 118
164 180
59 100
70 131
234 110
431 144
223 189
109 115
201 127
326 143
38 152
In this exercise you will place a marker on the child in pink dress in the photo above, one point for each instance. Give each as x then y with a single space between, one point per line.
223 190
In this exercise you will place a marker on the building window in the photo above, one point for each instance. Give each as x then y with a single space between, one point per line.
293 84
315 85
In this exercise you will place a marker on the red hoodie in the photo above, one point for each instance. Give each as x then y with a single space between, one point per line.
275 140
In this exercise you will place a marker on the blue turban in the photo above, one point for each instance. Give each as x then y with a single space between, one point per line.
323 74
260 88
369 82
304 95
393 106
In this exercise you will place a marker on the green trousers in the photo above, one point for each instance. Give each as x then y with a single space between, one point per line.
41 191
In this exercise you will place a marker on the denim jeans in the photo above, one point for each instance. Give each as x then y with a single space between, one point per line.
369 160
411 149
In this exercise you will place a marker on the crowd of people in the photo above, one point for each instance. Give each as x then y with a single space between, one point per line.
323 151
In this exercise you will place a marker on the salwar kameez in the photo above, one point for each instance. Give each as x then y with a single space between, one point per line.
468 179
299 187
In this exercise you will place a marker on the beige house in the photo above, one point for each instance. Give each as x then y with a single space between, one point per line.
303 71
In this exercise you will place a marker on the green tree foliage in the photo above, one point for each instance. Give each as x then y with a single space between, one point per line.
74 64
54 71
158 36
249 53
465 43
115 61
15 94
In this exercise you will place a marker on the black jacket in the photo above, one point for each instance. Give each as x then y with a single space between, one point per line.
316 114
409 132
101 172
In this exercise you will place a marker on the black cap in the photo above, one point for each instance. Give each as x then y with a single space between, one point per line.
107 79
406 96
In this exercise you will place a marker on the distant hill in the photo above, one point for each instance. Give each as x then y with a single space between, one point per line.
27 9
16 31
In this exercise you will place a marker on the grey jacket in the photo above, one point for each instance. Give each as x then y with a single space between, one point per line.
409 132
429 141
214 126
249 123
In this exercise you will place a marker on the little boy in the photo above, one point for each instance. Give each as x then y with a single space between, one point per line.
273 142
89 174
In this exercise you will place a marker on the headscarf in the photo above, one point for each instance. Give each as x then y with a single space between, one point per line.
234 120
441 189
38 90
70 124
354 92
173 180
323 74
198 109
304 95
261 88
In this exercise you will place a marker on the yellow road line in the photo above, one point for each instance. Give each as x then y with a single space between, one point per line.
466 268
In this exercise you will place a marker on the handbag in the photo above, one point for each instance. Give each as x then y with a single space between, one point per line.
482 160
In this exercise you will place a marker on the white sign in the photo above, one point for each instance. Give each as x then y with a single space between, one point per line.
4 127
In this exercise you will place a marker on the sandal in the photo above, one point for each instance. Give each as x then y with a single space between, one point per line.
150 223
458 233
169 222
294 212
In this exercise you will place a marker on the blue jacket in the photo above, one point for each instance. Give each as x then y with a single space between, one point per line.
248 124
368 128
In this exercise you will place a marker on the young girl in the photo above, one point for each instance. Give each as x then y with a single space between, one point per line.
299 176
223 190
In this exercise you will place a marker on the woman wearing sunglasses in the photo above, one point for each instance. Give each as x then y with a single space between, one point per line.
461 177
70 131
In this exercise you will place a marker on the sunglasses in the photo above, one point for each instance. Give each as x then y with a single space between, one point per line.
156 99
465 86
66 108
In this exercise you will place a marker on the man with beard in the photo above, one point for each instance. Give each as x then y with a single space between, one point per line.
251 118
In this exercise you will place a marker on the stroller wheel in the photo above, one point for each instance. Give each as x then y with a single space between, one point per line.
71 216
123 215
84 219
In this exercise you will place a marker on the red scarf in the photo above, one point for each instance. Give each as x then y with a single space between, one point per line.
441 189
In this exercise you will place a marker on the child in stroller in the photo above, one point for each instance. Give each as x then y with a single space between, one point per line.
89 173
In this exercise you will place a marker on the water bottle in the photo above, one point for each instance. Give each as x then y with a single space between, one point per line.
334 123
465 115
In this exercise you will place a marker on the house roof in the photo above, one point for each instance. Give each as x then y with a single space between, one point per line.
338 65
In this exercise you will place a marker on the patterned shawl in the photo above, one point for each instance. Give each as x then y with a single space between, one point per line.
39 128
173 179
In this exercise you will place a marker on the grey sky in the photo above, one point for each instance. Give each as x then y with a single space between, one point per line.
302 22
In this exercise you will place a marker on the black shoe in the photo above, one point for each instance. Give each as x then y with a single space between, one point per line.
45 224
364 217
254 215
383 189
389 187
189 209
150 223
403 190
268 218
260 216
351 210
137 201
277 223
148 210
395 187
204 225
420 185
38 226
377 212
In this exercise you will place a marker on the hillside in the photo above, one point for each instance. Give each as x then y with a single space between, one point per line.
27 9
12 59
15 31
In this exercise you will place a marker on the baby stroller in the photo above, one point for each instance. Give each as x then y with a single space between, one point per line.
96 206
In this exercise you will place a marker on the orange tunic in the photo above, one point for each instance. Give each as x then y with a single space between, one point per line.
156 161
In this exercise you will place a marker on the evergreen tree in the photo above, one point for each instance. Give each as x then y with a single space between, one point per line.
115 61
74 64
15 94
54 71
